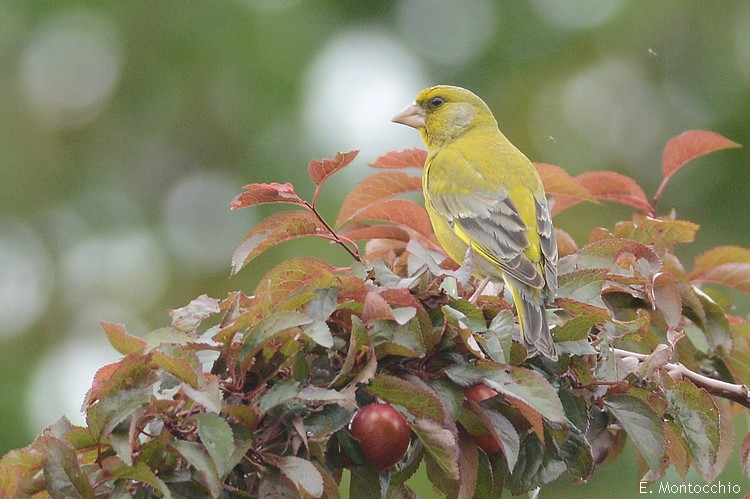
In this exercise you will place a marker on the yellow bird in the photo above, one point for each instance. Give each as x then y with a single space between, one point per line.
484 196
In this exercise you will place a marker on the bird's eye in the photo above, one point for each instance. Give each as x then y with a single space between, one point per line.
437 101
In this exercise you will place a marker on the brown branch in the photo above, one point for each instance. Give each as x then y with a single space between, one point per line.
736 393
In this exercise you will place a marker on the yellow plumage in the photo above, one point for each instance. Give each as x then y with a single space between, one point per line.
482 192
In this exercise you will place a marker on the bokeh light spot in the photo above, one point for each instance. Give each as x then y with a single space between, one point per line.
201 229
25 277
445 31
577 14
127 267
354 87
70 69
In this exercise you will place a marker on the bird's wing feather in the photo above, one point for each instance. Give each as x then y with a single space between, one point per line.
488 220
548 244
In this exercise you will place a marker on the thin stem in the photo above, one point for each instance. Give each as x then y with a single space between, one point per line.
735 393
335 237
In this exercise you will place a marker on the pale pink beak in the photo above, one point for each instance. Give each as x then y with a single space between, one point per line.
412 116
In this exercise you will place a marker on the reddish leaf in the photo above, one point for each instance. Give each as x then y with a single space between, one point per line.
607 253
320 170
667 298
565 243
611 186
376 308
374 189
725 265
292 276
256 194
277 228
377 232
400 211
689 145
559 182
408 158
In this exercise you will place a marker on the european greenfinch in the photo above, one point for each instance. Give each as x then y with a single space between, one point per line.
484 196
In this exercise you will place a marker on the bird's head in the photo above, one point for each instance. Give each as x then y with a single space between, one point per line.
443 113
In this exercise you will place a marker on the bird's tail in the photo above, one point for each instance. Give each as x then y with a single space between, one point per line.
532 318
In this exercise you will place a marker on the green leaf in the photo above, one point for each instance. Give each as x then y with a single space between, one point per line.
667 298
218 438
208 393
275 229
440 443
575 329
515 382
278 394
195 454
320 333
716 325
584 285
576 453
657 232
179 368
745 455
536 466
303 474
120 339
642 424
698 418
413 394
62 475
258 336
295 276
498 337
142 473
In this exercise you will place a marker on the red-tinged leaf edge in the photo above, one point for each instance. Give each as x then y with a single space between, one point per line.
374 189
274 229
121 340
690 145
406 213
256 194
612 186
725 265
559 182
320 170
413 157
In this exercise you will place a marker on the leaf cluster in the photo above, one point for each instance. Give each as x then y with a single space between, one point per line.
252 395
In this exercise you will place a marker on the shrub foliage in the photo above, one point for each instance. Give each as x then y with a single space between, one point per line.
252 394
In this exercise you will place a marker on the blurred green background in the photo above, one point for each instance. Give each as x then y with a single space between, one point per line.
127 127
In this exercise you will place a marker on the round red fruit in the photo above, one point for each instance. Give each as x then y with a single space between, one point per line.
383 434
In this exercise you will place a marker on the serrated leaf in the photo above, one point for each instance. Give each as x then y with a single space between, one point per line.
698 418
667 298
611 186
320 170
218 439
584 285
574 329
576 453
189 317
745 455
566 245
179 368
365 232
374 189
558 183
291 276
208 393
661 233
716 325
406 213
725 265
195 454
256 194
259 335
739 362
142 473
605 253
516 382
642 424
417 397
274 229
690 145
63 476
121 340
536 466
440 443
408 158
303 473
